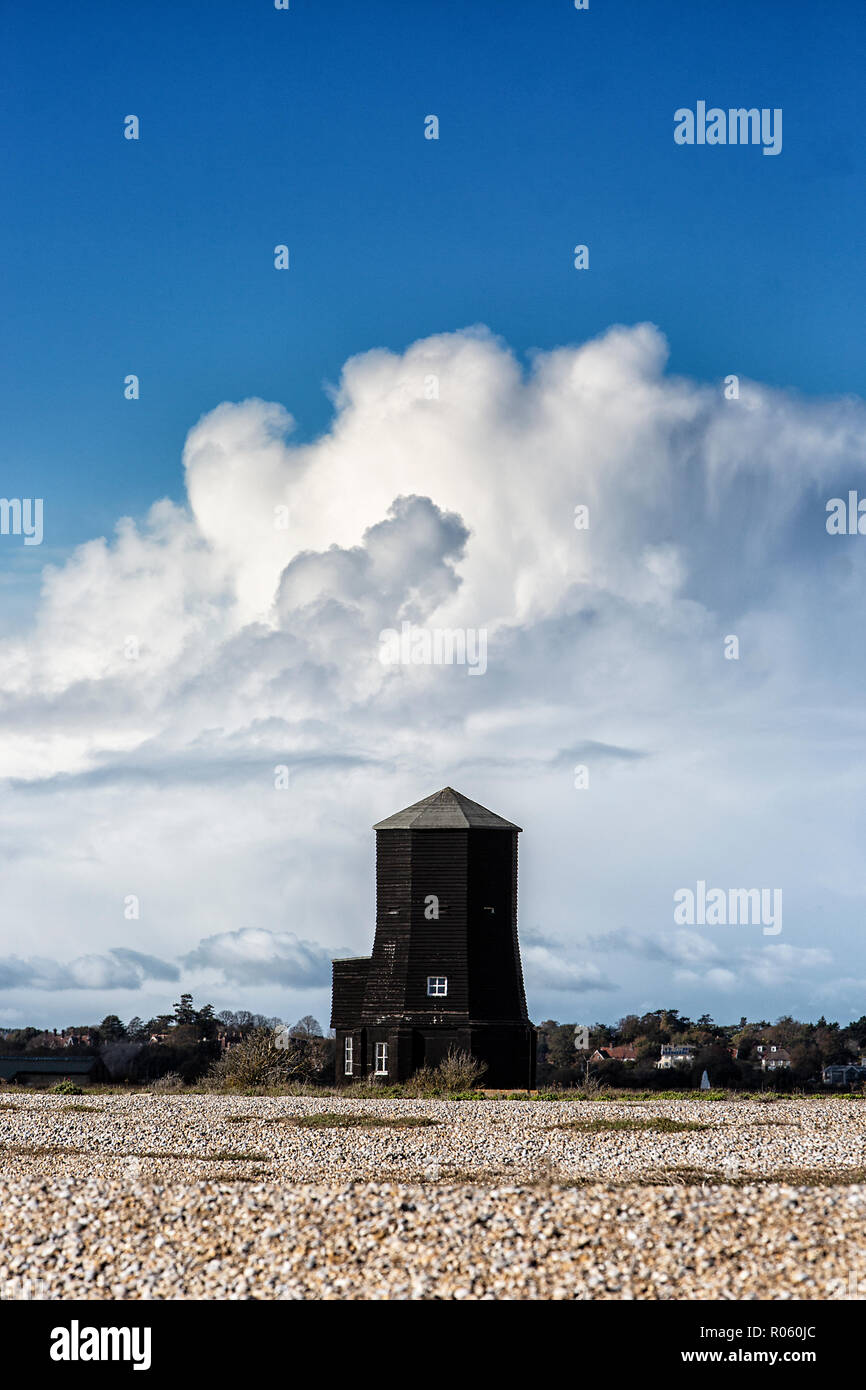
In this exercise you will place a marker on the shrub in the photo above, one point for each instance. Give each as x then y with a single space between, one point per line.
458 1071
66 1088
172 1081
266 1059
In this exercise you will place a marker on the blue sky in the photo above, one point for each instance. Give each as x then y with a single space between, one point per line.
306 127
155 257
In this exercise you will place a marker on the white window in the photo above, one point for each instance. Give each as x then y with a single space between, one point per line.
381 1059
347 1054
437 984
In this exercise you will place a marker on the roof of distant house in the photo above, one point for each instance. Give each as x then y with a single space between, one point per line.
61 1066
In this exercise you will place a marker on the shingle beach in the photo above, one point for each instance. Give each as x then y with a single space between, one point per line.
154 1196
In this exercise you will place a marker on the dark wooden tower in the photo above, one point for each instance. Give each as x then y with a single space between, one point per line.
445 970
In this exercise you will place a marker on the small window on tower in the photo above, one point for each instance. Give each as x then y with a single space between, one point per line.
437 984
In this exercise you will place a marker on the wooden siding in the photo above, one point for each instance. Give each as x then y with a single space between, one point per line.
438 946
496 992
347 996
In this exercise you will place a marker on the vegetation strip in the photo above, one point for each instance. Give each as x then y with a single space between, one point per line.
336 1119
659 1124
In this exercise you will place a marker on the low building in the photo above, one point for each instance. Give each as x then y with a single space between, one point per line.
676 1055
47 1071
844 1074
625 1053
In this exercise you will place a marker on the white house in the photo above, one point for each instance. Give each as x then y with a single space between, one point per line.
676 1055
773 1058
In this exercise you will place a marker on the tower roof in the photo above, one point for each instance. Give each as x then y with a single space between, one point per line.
446 810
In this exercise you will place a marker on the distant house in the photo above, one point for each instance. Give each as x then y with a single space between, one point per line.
47 1071
614 1054
676 1055
844 1074
772 1057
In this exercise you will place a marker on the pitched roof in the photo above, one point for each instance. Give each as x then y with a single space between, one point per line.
55 1066
446 810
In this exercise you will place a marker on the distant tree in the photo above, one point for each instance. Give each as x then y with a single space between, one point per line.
560 1046
628 1028
118 1057
184 1013
720 1067
111 1029
806 1060
161 1024
601 1035
646 1049
306 1027
16 1040
205 1022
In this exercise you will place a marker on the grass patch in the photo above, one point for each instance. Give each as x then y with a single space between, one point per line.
337 1119
657 1124
81 1109
621 1096
222 1156
237 1177
679 1175
790 1177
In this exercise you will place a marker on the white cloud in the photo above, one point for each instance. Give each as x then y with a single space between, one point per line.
117 969
254 957
259 646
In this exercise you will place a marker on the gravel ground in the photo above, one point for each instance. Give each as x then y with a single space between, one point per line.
219 1197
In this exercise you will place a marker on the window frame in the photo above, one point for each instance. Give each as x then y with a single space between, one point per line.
348 1056
432 991
381 1059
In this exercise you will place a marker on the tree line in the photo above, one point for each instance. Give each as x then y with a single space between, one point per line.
728 1052
186 1042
